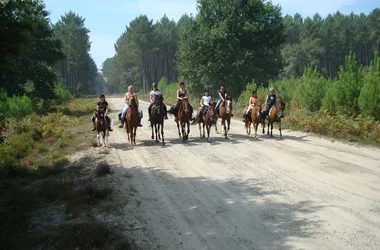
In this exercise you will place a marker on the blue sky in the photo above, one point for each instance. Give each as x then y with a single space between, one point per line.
108 19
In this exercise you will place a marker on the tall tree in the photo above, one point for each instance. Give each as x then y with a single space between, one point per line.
28 49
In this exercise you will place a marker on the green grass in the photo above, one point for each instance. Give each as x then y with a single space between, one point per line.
34 177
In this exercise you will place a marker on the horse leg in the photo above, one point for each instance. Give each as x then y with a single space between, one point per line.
263 125
134 135
162 133
200 130
268 127
224 128
204 125
216 126
183 131
151 124
280 128
188 131
156 131
271 129
208 132
98 138
179 132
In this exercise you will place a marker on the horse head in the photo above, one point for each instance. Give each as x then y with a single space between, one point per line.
133 102
100 116
228 104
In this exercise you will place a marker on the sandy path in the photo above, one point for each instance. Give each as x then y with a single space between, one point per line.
302 192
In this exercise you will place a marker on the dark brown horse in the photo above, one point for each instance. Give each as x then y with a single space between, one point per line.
131 120
183 120
157 116
275 114
254 117
208 119
225 114
101 127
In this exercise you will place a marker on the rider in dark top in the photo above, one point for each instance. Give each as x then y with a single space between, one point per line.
102 106
181 94
270 101
222 94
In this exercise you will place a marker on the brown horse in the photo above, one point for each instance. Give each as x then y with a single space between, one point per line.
275 114
157 119
131 120
208 119
254 117
101 127
183 120
225 114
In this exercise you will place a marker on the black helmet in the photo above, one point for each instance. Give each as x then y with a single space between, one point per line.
102 96
206 90
154 85
254 92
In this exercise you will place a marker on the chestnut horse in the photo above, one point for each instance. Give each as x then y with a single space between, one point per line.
183 120
101 127
254 117
275 114
225 114
208 119
131 120
157 119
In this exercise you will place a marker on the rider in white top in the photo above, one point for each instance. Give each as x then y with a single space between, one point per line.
205 103
153 94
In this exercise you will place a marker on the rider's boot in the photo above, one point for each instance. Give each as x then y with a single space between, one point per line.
139 123
122 124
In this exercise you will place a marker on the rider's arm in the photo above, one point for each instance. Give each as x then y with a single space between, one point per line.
266 100
137 100
151 97
106 111
186 95
220 95
249 103
178 95
201 102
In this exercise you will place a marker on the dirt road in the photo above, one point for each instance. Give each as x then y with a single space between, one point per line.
301 192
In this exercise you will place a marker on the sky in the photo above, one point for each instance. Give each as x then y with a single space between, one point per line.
107 19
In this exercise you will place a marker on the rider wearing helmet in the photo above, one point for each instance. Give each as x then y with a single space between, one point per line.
102 106
155 93
270 101
181 95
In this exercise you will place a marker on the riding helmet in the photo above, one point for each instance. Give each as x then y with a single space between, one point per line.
154 85
271 89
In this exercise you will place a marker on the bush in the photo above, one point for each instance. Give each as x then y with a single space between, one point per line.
310 91
61 92
342 95
19 106
369 99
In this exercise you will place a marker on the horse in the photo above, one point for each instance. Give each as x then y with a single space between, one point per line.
183 120
101 127
157 119
131 121
253 117
208 119
225 114
274 116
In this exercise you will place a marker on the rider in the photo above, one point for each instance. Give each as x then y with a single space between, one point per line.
102 106
253 100
270 101
222 96
181 95
205 104
127 100
153 94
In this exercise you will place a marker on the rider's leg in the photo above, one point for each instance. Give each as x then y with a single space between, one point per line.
191 112
93 123
123 114
140 116
165 111
109 122
217 106
149 110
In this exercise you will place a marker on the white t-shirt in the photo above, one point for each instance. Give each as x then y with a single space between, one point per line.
153 94
206 100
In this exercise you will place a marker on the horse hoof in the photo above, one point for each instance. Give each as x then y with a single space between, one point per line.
152 137
157 141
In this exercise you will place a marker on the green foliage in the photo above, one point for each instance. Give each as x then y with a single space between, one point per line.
61 92
29 50
369 99
311 91
19 106
342 95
